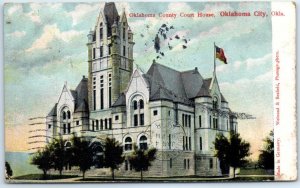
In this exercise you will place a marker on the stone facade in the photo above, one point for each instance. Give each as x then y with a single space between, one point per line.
164 108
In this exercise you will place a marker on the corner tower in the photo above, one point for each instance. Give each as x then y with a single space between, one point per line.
110 57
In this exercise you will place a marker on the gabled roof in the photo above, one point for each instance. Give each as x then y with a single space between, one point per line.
168 84
121 101
81 93
53 111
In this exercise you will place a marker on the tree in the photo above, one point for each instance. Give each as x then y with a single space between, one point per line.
83 155
58 156
221 147
113 154
42 159
232 151
141 159
8 170
266 157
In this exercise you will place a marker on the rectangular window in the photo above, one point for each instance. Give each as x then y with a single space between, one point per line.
135 120
209 121
110 123
105 122
183 145
124 34
183 120
200 122
101 98
184 163
211 164
64 128
169 113
97 124
170 142
124 51
171 163
101 124
93 125
101 51
190 120
154 112
77 122
217 126
101 33
188 164
126 165
69 128
186 143
190 143
109 94
109 49
94 99
116 118
200 143
49 126
141 119
94 53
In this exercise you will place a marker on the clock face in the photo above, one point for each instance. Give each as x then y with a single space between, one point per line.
168 139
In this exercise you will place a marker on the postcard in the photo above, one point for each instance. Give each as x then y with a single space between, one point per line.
149 92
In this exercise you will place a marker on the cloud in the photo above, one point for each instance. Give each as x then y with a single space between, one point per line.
15 8
249 63
81 10
17 34
50 33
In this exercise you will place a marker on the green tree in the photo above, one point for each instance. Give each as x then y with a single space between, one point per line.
83 155
8 170
221 147
141 159
58 156
42 159
232 152
113 153
266 156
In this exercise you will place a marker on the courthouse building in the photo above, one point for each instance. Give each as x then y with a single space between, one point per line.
176 112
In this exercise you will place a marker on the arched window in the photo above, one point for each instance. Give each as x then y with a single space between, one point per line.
215 103
141 104
69 115
135 106
128 144
143 143
64 115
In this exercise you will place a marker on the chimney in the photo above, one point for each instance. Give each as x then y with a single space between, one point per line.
196 70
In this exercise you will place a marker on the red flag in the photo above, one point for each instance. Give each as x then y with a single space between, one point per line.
221 55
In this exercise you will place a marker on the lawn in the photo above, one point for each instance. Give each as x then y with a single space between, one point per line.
40 177
257 171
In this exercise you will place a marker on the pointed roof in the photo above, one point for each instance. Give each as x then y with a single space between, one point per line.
111 13
121 101
169 84
53 111
81 93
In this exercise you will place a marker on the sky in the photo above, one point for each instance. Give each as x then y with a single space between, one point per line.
45 46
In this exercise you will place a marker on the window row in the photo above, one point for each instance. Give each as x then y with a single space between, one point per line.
138 105
213 122
186 120
138 119
67 128
104 124
128 145
186 163
66 115
187 143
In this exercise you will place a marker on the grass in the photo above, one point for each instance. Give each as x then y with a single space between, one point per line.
40 177
252 171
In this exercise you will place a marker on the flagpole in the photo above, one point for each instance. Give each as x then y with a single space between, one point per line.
214 58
